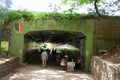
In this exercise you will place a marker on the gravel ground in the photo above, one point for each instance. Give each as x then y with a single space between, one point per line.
36 72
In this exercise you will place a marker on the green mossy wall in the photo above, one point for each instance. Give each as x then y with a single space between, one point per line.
106 33
84 26
100 33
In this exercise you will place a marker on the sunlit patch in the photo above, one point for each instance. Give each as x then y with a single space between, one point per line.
61 71
44 71
69 74
16 76
73 78
66 47
4 60
37 79
46 45
84 76
57 76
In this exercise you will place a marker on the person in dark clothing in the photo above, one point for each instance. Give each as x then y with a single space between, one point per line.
77 64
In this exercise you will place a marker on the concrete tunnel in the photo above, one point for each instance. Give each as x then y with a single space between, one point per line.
56 37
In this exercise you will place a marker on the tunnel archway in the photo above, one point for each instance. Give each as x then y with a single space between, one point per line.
77 39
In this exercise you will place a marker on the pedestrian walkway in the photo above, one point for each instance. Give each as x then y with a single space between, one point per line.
36 72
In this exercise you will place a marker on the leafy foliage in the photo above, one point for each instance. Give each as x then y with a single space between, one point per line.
109 8
11 15
101 7
58 16
80 2
76 3
26 14
4 5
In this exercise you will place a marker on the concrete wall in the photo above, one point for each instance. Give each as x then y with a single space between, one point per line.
106 33
104 70
84 26
6 66
100 33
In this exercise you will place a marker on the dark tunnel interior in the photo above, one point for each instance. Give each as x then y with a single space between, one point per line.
53 36
57 36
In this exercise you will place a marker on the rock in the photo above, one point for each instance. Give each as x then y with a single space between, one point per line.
7 65
104 70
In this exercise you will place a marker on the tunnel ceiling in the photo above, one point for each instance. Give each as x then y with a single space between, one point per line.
57 36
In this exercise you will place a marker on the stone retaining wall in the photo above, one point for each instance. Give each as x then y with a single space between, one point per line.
8 65
104 70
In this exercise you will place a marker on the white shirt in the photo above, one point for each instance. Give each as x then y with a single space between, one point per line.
44 55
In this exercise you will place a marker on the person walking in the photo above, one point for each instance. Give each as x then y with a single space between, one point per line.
44 57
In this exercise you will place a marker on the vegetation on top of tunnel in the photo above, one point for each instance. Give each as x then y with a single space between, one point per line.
11 15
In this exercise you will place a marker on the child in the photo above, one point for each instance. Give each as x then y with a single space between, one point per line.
63 63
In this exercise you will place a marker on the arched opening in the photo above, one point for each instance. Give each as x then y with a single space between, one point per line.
53 41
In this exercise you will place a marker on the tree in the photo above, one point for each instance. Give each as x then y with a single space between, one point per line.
101 7
96 8
4 5
111 8
81 2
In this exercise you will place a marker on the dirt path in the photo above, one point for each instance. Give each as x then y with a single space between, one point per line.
36 72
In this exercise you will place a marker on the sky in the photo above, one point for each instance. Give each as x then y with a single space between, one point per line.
41 5
34 5
49 5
